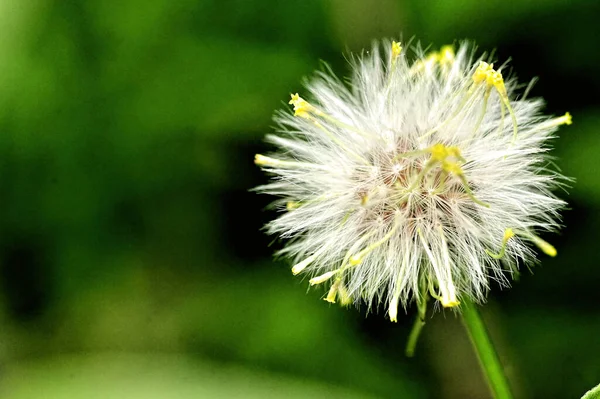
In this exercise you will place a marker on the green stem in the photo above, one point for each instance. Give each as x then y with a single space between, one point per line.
411 344
488 359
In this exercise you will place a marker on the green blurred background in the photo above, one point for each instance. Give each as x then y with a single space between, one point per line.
131 261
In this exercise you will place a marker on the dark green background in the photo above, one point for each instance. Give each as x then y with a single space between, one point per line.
131 261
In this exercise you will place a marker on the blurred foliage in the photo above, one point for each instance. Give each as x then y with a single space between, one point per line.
155 377
132 261
593 393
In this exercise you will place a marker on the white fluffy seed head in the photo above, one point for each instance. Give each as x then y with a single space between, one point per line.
418 178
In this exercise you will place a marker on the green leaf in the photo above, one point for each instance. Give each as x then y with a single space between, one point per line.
153 376
593 393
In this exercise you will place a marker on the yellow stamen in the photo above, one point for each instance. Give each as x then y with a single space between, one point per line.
393 308
482 72
364 199
262 160
486 73
452 168
566 119
444 58
447 54
444 275
304 109
495 79
441 154
543 245
302 265
426 63
291 205
396 50
301 107
448 298
344 296
345 262
333 291
431 60
322 278
508 234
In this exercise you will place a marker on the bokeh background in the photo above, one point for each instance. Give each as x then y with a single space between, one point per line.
132 264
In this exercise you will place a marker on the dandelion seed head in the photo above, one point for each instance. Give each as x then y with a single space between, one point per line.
422 177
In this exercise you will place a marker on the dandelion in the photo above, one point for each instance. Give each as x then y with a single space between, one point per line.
417 179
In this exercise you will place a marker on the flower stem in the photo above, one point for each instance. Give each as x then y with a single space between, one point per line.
414 336
411 345
488 359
